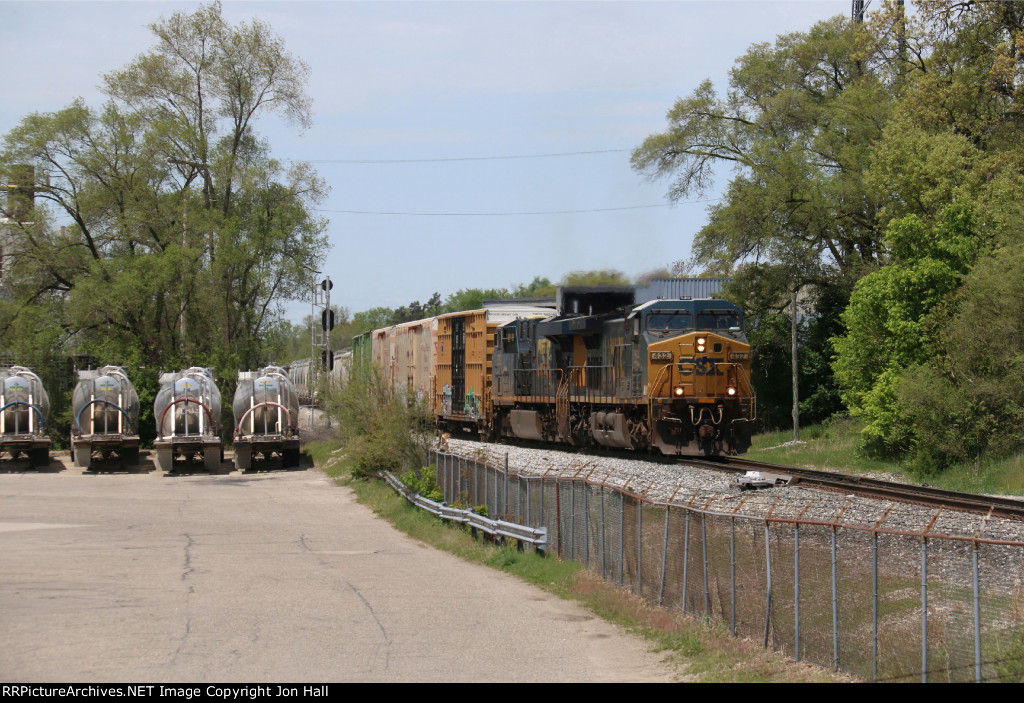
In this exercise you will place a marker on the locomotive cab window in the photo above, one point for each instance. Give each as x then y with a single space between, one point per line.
508 340
665 322
719 320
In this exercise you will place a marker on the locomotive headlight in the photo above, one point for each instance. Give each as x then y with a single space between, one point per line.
731 390
678 390
701 342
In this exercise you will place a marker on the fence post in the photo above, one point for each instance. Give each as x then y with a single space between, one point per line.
505 511
686 555
977 615
732 574
622 537
874 606
924 610
704 547
529 484
603 575
796 590
835 606
558 515
639 545
664 557
586 525
519 499
572 519
768 585
542 496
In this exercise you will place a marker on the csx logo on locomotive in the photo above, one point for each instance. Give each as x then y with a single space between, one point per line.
700 367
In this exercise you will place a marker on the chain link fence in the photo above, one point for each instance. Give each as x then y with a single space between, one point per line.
881 604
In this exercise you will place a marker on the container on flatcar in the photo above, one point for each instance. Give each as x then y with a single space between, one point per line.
187 411
105 417
24 410
266 412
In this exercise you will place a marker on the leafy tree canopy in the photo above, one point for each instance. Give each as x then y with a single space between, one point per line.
164 232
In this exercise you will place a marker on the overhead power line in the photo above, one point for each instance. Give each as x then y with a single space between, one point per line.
512 214
465 158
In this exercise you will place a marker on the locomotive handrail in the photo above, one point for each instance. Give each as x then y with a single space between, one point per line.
78 416
42 420
288 414
657 383
186 400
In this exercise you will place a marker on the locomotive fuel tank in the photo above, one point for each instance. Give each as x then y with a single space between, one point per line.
266 412
105 417
187 411
24 410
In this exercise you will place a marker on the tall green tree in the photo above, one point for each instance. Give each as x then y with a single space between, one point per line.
165 233
889 322
796 126
967 400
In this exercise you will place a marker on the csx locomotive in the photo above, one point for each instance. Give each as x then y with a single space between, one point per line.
594 369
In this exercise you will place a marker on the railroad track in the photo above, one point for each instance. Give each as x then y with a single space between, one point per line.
875 488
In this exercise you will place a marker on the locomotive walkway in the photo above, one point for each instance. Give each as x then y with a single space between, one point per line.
263 577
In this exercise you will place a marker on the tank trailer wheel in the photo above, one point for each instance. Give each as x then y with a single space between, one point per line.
290 458
164 459
211 460
130 457
83 457
243 459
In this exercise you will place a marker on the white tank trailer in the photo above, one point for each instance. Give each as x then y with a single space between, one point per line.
105 417
266 411
24 409
187 412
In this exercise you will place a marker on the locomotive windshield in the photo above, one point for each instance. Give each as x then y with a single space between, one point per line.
666 322
718 320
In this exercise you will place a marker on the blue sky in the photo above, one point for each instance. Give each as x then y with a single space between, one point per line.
452 80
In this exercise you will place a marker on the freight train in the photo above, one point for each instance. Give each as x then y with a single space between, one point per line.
591 369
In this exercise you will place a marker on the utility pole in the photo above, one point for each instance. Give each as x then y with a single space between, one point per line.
796 375
857 11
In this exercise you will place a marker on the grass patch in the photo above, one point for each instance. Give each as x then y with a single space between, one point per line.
835 446
700 652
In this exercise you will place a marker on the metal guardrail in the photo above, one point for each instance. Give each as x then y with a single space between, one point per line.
537 536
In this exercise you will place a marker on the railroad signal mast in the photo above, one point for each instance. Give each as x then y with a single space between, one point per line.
321 324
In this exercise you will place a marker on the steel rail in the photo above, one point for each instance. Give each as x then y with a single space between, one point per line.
875 488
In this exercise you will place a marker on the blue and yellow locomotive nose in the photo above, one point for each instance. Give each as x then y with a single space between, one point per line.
701 394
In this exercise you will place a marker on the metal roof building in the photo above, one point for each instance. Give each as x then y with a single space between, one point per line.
670 288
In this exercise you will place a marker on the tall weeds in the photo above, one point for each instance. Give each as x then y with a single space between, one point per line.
383 428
